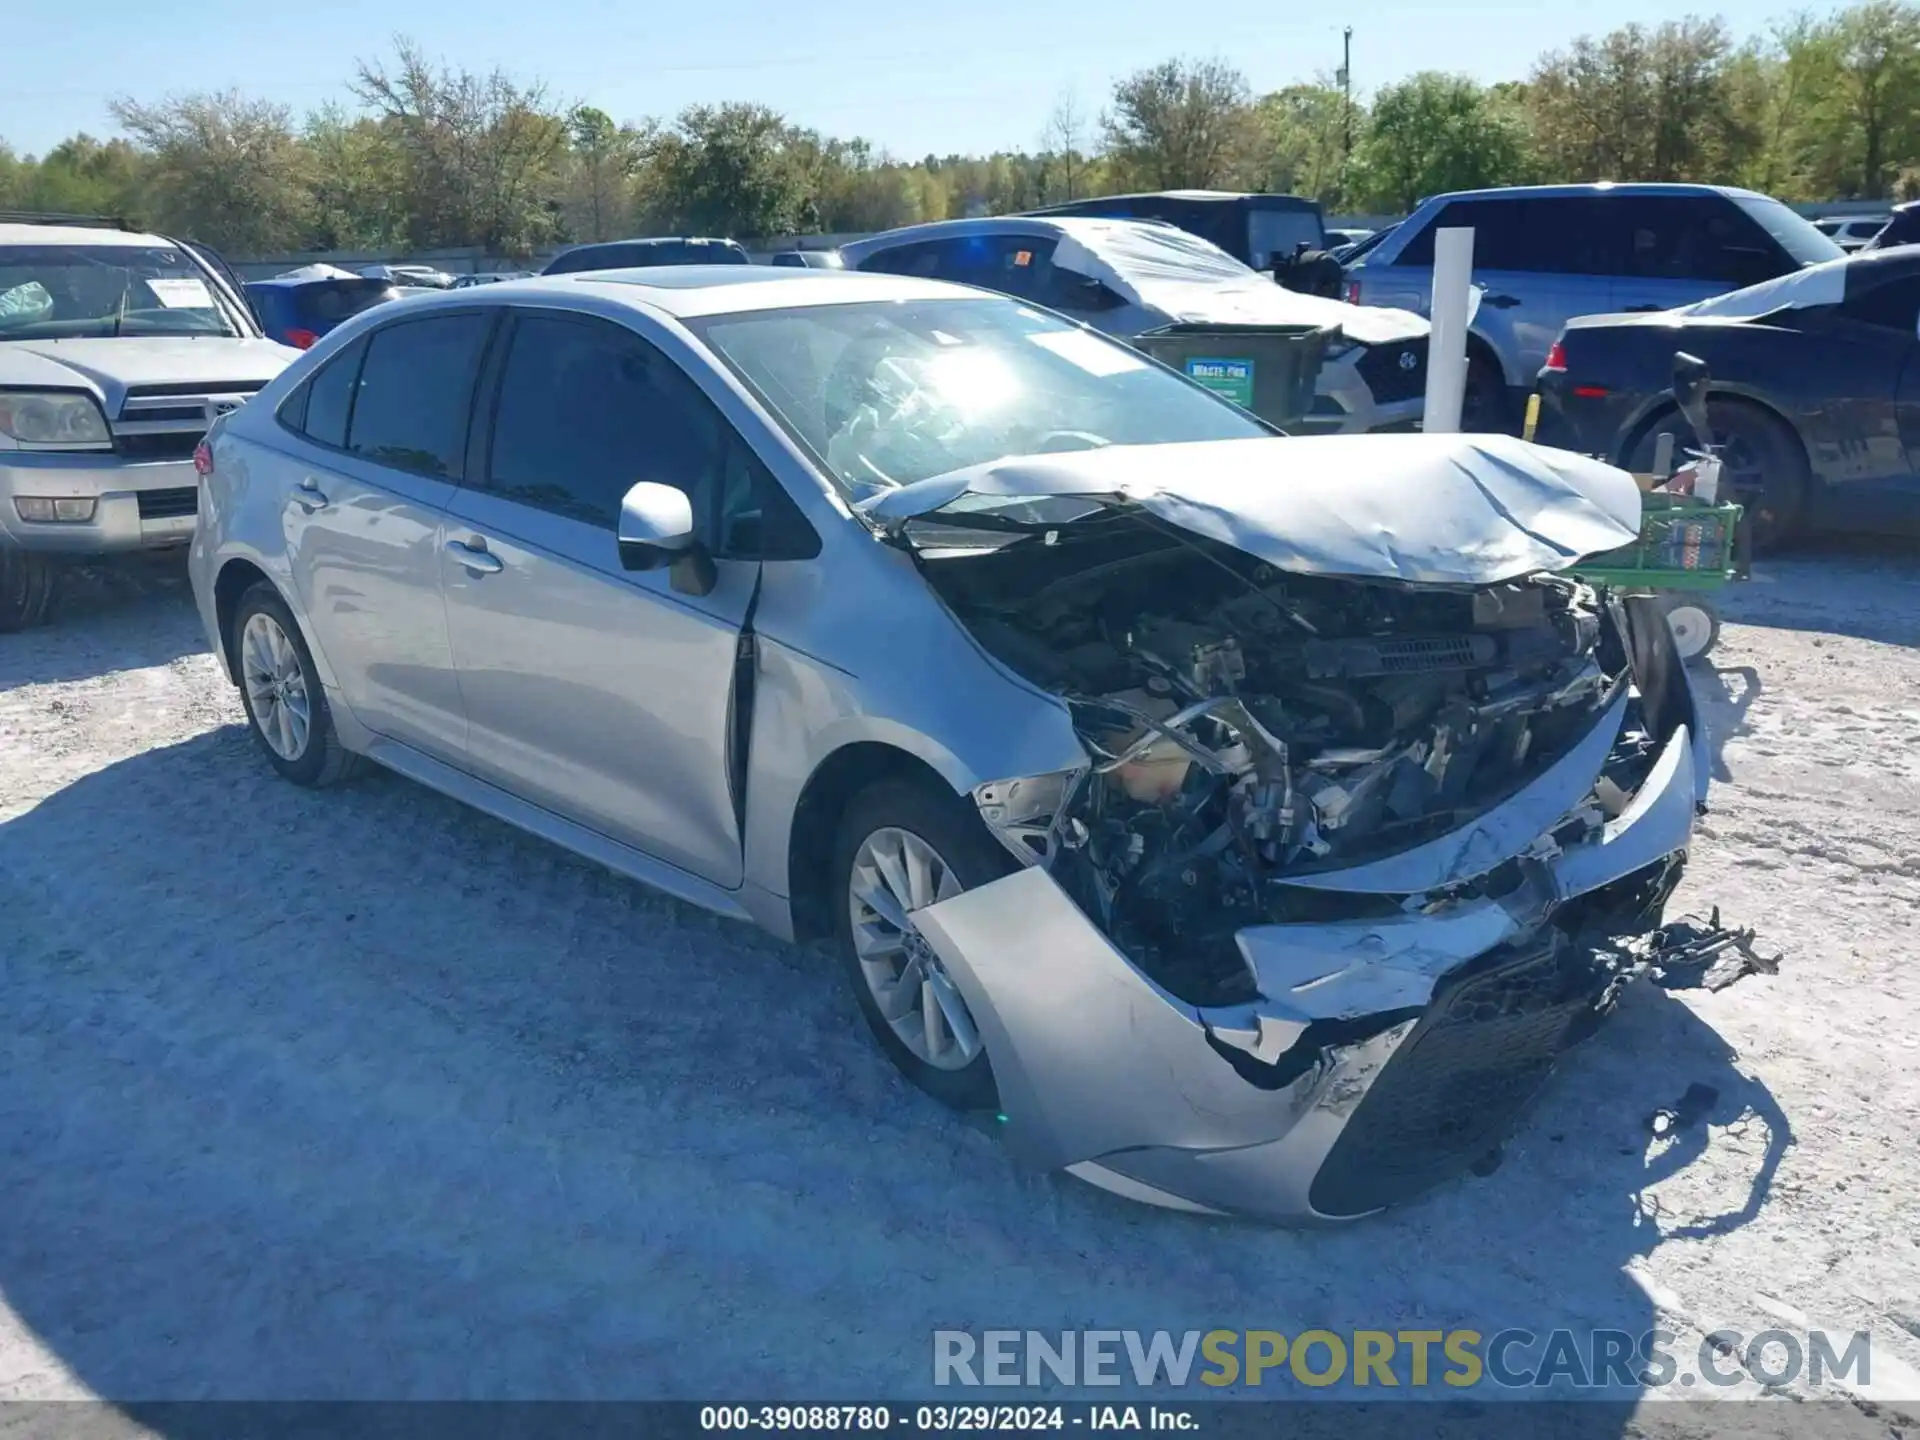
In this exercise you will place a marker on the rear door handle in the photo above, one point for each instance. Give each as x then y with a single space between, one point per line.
309 497
1500 302
477 558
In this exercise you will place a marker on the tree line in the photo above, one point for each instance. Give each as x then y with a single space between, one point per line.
420 155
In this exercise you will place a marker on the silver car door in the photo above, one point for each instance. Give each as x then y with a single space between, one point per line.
599 693
385 426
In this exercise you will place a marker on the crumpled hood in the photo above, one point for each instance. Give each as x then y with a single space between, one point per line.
1437 509
1194 282
111 366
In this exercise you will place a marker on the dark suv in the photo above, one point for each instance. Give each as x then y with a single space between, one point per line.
1544 254
633 254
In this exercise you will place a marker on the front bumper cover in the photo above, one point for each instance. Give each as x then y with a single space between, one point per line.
1307 1105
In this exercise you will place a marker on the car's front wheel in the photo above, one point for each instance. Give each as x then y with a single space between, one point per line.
284 699
902 846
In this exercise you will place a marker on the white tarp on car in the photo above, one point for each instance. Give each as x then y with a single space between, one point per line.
1439 509
1822 284
1194 282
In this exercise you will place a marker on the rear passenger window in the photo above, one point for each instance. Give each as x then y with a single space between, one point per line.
411 405
329 396
1550 235
587 410
1695 237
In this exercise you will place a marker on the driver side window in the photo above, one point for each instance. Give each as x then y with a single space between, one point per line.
585 410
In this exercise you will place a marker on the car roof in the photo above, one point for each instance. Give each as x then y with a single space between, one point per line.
1597 187
694 291
1081 226
78 235
1191 196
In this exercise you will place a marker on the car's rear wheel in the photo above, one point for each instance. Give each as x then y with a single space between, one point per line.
284 699
902 846
1762 465
28 582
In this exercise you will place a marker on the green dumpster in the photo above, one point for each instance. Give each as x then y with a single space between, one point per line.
1268 369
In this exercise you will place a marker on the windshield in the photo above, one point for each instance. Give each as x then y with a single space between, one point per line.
57 292
1796 234
1275 234
888 393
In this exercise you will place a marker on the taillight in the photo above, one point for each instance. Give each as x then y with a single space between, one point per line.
1557 357
202 458
1353 292
301 339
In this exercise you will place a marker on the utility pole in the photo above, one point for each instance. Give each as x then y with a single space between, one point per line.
1346 90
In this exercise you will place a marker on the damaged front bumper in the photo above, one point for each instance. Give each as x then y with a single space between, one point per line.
1382 1056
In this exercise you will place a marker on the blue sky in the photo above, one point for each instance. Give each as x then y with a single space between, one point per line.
912 77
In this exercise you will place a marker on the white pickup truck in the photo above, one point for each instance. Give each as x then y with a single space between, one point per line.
116 350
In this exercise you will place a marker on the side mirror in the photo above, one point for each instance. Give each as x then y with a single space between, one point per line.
656 528
1690 379
656 524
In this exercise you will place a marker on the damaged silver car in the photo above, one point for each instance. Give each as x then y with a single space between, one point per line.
1250 822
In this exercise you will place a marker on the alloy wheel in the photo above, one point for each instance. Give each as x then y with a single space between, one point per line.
276 686
895 873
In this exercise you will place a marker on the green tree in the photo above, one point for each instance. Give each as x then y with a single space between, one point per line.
1436 132
481 154
733 170
1182 124
357 180
604 159
225 168
1302 134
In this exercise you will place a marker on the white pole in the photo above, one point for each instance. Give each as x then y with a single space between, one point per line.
1447 348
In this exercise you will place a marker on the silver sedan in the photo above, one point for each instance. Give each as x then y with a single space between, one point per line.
1249 822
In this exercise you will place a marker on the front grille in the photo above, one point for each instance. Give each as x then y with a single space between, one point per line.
1471 1065
195 388
1388 378
169 504
158 445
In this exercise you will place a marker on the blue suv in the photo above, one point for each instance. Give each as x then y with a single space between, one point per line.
1546 253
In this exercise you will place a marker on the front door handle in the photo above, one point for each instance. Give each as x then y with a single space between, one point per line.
1500 302
309 497
477 558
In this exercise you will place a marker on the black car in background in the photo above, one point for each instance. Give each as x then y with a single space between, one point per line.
298 309
659 250
1815 392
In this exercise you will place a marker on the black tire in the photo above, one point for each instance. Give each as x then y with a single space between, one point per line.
1764 465
323 760
1486 408
28 583
961 839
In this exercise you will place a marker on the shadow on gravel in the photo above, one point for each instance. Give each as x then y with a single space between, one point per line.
1857 585
361 1095
111 616
1727 692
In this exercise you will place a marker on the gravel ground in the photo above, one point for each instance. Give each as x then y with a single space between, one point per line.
361 1094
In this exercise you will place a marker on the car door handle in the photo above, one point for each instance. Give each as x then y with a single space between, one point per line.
309 497
1500 302
477 558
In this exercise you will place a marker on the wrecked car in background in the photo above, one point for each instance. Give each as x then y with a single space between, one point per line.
1249 821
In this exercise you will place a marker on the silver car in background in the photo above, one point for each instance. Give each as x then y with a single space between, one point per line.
1249 822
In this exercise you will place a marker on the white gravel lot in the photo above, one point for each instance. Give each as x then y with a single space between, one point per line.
360 1094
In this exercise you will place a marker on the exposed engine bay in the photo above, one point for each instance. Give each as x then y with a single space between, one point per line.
1250 730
